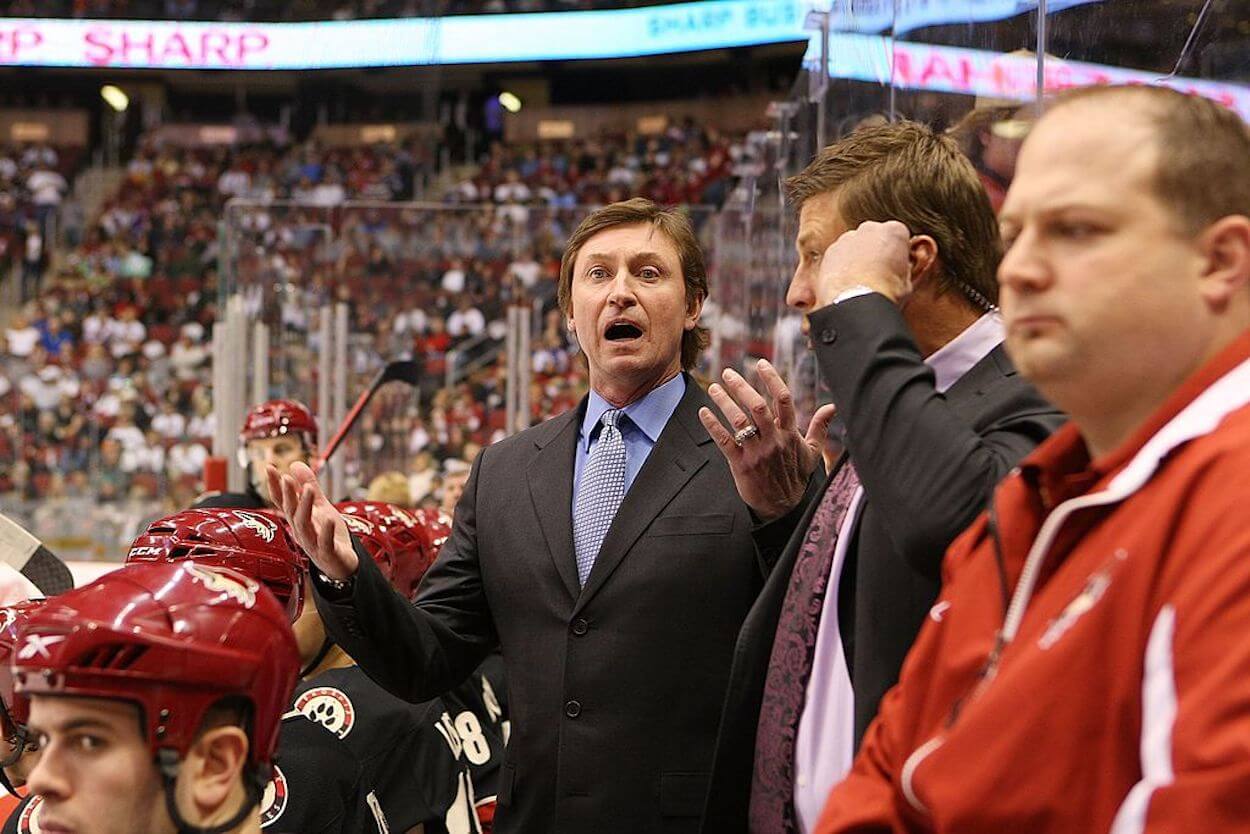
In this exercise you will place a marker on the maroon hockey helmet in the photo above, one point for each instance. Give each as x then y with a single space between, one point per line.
173 639
395 538
277 418
16 710
256 543
438 527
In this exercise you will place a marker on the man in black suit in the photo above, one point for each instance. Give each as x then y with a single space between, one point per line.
605 551
902 319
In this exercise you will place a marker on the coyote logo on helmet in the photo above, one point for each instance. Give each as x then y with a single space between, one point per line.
329 707
356 524
273 801
242 592
405 517
262 527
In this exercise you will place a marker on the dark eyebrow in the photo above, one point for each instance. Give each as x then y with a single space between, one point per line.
72 725
653 257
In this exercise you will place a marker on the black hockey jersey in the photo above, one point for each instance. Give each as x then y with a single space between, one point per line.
412 755
318 785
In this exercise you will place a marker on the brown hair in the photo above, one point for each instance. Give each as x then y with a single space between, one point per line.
676 227
1204 149
904 171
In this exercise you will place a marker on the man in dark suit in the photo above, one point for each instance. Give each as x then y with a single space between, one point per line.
902 319
605 551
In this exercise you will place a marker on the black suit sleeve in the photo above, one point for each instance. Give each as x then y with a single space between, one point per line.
419 650
925 467
771 537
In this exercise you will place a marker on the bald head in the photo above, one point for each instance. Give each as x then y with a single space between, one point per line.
1201 146
1127 251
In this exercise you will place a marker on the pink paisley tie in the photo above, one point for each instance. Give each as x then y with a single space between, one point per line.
790 665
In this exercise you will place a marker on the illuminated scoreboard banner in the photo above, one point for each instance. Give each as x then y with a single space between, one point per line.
975 72
857 51
401 42
470 39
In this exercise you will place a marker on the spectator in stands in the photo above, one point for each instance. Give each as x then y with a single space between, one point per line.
454 277
34 259
22 337
110 478
455 475
126 333
47 188
390 488
170 423
189 354
467 322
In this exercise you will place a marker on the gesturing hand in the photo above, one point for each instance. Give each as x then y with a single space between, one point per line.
772 468
317 526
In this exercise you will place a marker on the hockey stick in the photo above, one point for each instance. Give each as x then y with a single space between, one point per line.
404 370
26 554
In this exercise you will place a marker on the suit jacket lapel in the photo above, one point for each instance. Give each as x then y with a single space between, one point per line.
971 385
673 461
550 476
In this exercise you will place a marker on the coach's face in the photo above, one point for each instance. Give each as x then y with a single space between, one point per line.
1101 287
629 310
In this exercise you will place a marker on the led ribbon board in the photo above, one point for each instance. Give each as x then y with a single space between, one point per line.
855 53
919 66
466 39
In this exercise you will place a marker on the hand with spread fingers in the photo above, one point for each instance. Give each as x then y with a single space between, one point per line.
317 525
770 460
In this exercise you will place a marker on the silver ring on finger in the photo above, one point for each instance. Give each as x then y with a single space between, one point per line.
744 434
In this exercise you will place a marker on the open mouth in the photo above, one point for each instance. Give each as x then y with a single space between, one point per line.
622 331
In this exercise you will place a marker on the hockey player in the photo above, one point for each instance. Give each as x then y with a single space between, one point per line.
156 693
318 784
278 432
20 751
404 544
413 755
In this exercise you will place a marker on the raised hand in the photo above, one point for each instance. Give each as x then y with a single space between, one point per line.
770 468
317 525
875 255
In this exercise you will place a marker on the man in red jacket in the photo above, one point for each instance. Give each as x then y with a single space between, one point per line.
1087 664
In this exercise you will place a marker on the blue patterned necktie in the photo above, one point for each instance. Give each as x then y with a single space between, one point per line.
600 494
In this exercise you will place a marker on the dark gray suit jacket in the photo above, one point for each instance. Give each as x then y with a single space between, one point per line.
615 689
927 462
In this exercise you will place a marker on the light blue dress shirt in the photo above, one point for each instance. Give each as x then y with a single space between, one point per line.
644 420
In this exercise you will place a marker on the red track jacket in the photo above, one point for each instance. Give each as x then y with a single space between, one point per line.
1120 701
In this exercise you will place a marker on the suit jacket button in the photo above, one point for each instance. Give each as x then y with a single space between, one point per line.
573 709
828 335
580 627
